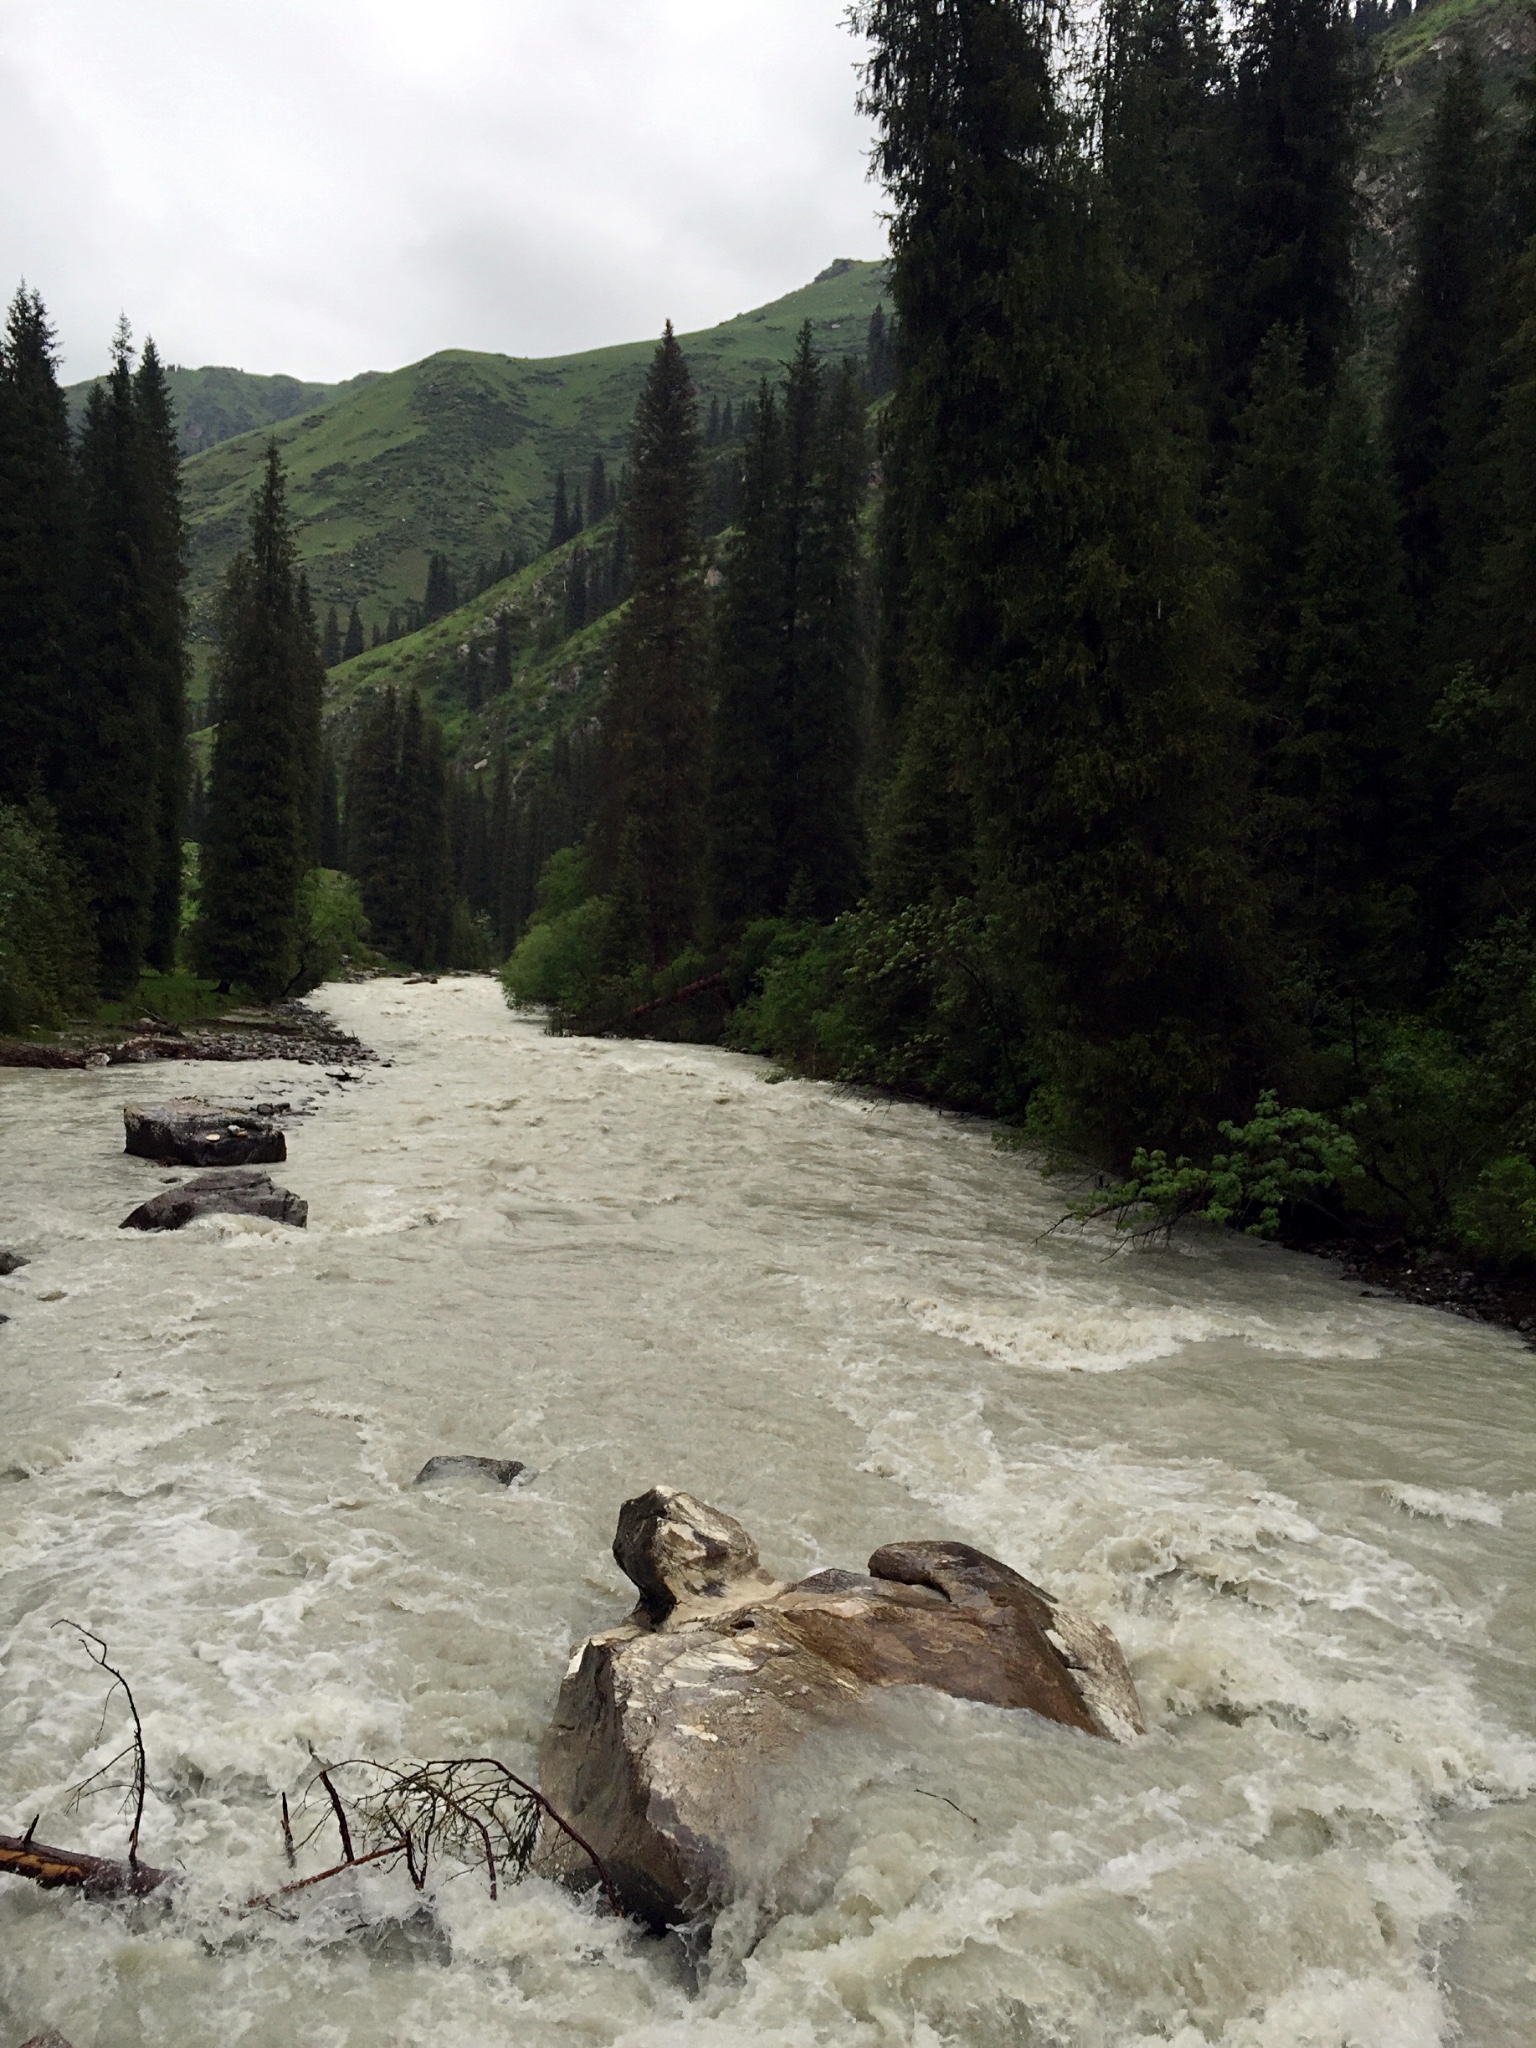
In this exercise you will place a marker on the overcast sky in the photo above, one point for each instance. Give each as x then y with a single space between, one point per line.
327 186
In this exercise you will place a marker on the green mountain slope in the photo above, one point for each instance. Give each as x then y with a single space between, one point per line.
215 404
457 455
557 678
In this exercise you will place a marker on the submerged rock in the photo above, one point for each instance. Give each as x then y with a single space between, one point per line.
502 1471
240 1191
188 1132
656 1750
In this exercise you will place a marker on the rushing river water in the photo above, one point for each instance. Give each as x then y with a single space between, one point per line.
1309 1516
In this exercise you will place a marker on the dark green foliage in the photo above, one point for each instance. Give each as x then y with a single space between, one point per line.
742 876
112 759
330 640
36 551
353 643
1066 667
879 355
46 952
163 572
1440 401
257 840
786 742
561 529
656 724
1285 238
599 495
397 831
442 592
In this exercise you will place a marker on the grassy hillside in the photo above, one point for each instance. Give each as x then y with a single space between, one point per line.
557 679
214 404
457 454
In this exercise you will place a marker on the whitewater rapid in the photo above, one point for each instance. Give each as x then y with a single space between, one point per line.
1310 1517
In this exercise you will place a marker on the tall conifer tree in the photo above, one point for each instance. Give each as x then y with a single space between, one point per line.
656 721
111 774
37 544
353 643
255 846
163 558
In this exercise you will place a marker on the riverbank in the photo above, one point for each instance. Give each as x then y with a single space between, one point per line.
276 1031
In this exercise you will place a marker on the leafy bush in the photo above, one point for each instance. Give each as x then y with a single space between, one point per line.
46 963
1279 1156
559 961
333 929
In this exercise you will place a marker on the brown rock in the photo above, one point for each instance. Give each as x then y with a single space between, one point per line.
657 1748
240 1191
49 2038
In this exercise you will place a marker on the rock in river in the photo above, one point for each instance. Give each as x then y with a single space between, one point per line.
663 1724
11 1262
239 1191
187 1132
501 1471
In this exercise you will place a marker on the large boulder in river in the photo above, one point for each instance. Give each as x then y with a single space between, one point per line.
656 1751
240 1191
187 1132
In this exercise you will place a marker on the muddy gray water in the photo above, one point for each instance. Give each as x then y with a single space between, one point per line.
1309 1516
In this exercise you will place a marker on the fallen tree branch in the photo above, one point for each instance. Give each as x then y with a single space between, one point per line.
99 1877
680 995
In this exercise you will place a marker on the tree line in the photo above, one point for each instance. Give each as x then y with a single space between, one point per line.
1167 787
92 673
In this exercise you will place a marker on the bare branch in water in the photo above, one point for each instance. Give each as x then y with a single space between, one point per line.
96 1650
470 1811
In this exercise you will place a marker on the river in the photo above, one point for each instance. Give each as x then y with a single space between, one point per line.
1309 1515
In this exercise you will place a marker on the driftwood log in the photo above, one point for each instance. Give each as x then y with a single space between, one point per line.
99 1877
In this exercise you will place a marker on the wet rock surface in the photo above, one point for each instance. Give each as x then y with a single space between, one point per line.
498 1471
656 1750
11 1262
237 1191
188 1132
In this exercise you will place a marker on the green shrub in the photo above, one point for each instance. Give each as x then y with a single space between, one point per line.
333 929
1280 1156
558 962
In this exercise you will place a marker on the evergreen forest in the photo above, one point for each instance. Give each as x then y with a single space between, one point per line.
1098 694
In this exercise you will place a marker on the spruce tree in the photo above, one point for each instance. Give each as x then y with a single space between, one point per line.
442 595
578 518
560 529
111 771
254 848
332 851
599 502
1343 826
330 640
746 739
656 721
1283 244
37 546
376 833
712 430
1441 398
821 850
353 644
1065 668
424 819
163 570
309 717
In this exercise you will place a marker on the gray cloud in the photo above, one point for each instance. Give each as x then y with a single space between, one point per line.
325 186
